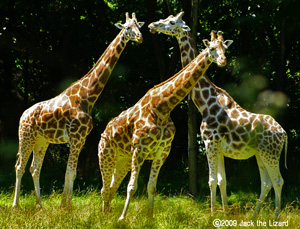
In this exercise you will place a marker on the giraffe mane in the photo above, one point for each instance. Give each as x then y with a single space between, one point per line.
218 88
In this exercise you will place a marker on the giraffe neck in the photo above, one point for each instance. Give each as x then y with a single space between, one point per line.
167 95
204 87
187 47
86 91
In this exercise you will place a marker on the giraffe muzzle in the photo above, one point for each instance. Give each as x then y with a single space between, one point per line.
222 61
139 39
152 28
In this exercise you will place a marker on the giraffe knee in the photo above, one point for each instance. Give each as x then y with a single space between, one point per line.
279 182
151 189
71 175
267 185
212 183
131 189
32 169
19 170
34 172
221 182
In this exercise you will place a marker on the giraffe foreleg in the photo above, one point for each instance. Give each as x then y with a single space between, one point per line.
151 187
212 159
35 168
222 181
75 149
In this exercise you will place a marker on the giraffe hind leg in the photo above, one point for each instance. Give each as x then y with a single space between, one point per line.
266 185
277 182
26 144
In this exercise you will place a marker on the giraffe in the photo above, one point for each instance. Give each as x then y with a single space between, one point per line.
145 131
66 118
227 129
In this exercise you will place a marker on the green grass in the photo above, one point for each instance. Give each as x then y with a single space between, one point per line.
169 212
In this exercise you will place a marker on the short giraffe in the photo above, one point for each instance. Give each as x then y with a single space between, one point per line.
227 129
66 118
145 131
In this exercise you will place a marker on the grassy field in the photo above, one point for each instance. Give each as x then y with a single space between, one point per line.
169 212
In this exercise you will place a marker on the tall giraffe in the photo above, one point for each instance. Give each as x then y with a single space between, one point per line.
145 131
66 118
227 129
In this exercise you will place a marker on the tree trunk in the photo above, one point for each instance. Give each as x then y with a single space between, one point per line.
192 119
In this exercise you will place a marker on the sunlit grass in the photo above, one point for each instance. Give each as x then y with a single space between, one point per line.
169 212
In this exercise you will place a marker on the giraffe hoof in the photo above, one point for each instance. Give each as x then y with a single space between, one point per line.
38 207
121 219
16 206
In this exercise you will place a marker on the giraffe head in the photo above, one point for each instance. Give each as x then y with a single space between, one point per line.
216 48
131 28
172 26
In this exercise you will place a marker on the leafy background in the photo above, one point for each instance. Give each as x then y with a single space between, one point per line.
47 45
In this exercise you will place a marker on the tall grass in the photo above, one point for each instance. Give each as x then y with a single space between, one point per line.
169 212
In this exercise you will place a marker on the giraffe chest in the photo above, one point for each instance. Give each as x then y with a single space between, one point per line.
161 137
60 127
151 138
54 131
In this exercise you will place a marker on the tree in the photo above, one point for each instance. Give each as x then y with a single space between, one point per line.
192 118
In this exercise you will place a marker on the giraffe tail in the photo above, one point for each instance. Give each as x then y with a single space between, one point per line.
285 149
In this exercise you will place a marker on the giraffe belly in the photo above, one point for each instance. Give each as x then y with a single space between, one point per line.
55 137
238 152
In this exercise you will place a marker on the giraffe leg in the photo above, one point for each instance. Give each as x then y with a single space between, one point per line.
266 185
277 182
222 182
36 165
75 149
151 188
26 144
137 162
212 159
122 168
107 165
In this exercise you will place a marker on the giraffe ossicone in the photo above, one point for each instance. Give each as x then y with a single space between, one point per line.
227 129
66 118
145 131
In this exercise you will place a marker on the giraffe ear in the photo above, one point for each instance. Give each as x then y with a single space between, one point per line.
140 24
119 25
227 43
206 43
